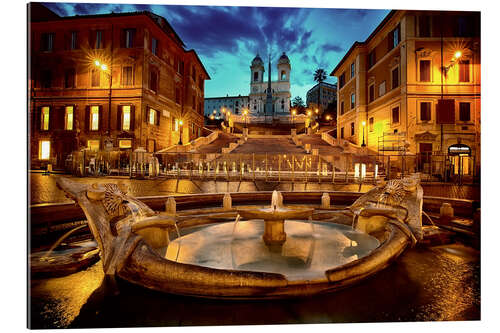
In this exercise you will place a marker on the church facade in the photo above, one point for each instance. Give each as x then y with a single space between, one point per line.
279 89
275 94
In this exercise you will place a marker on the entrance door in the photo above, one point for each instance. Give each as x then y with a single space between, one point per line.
424 157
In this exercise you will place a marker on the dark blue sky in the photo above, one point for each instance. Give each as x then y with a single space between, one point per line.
227 38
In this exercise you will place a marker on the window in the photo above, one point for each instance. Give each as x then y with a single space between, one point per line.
394 38
69 78
44 149
128 76
353 100
151 144
371 93
352 70
154 46
256 76
44 126
395 115
94 118
129 38
74 41
370 124
352 129
395 77
464 71
381 89
371 59
68 118
93 145
425 111
425 70
424 26
48 42
177 96
153 117
342 133
126 116
46 78
283 75
125 143
342 107
464 111
180 67
96 78
98 40
342 80
153 81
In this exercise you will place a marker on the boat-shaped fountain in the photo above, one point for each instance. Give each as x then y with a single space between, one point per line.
267 252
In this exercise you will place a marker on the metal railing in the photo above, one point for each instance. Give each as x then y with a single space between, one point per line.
337 168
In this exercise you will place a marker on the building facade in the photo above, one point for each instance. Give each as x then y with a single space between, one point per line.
280 89
218 106
327 95
414 85
110 82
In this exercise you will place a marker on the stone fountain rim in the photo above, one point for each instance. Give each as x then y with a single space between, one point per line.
161 274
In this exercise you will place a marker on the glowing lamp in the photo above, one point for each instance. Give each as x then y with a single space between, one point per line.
104 67
97 63
458 54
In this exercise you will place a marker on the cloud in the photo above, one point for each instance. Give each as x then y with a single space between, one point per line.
227 38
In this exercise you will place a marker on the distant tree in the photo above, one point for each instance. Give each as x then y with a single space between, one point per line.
298 104
319 76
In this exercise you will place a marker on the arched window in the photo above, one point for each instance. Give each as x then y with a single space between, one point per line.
283 75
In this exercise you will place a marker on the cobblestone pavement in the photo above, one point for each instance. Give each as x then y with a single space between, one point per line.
43 189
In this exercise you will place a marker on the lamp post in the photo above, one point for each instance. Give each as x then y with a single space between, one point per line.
104 68
309 114
245 116
363 124
294 112
180 132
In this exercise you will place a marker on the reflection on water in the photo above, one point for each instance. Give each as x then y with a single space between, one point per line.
440 283
304 255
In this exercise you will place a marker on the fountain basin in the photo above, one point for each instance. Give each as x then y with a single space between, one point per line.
193 279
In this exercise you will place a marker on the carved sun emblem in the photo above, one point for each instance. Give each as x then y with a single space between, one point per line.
113 200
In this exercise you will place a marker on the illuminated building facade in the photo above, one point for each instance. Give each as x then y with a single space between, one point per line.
328 94
108 82
414 85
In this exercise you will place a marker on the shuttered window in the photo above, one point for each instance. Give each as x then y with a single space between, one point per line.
425 70
425 111
464 71
128 76
395 77
395 115
464 111
69 78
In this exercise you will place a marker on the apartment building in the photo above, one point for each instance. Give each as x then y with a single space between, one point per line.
328 94
414 85
110 82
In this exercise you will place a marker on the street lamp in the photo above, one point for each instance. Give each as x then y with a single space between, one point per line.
104 68
309 114
180 132
245 113
364 124
294 112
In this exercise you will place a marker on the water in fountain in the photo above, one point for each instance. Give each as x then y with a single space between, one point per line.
302 256
59 241
275 200
236 223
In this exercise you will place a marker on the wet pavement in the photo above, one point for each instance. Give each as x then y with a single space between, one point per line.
423 284
43 189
